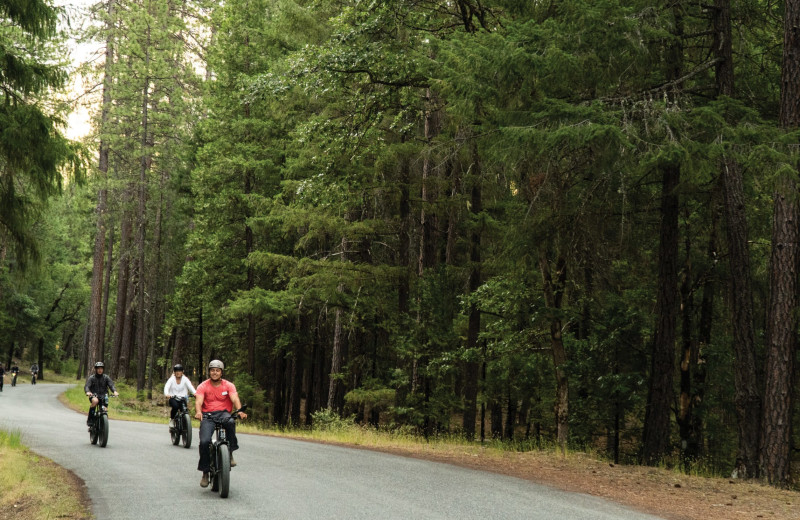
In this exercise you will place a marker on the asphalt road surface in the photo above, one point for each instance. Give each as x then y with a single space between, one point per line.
141 475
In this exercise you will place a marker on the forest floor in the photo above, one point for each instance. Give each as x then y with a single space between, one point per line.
663 492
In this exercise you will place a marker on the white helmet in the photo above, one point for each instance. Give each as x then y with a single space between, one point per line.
216 363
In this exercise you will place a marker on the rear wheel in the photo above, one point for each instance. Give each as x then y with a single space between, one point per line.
186 434
224 467
103 433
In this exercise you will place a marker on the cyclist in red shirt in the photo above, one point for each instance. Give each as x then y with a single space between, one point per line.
216 397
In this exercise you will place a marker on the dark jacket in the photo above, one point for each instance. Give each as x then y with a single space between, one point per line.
99 385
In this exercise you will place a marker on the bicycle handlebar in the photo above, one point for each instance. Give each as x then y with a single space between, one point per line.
234 414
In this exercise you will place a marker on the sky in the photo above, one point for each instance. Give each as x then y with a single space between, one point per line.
79 121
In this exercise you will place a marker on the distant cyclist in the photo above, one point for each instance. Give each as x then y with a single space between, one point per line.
177 385
34 372
14 372
96 388
2 376
216 397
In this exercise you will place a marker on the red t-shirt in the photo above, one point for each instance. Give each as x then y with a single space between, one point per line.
216 398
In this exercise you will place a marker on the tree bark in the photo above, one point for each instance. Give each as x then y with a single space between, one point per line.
471 366
747 399
659 400
553 295
144 165
774 456
123 301
106 295
128 329
336 387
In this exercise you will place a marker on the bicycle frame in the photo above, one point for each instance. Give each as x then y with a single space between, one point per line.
219 477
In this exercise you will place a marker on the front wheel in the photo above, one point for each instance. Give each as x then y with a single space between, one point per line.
224 469
186 434
14 381
214 473
103 427
33 379
175 435
93 432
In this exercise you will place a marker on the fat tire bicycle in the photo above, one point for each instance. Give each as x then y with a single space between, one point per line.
182 432
219 474
98 428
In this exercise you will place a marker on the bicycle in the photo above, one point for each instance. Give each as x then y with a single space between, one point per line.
13 379
33 377
182 432
219 474
98 429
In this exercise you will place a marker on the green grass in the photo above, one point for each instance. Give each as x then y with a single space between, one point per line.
33 487
128 406
11 440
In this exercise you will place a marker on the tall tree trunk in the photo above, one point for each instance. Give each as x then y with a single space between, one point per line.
427 253
251 319
123 302
689 348
336 387
156 290
471 367
106 295
404 260
554 295
96 333
659 400
774 454
747 399
128 329
96 306
657 424
144 165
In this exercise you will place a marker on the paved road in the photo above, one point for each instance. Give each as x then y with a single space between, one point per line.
141 475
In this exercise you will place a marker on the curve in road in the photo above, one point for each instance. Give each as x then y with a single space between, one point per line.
141 475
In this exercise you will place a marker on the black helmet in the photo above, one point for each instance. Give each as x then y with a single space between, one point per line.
177 368
99 364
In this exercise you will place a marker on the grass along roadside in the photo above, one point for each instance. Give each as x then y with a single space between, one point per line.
35 488
660 491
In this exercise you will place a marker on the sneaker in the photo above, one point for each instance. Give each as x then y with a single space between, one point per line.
172 424
204 480
233 462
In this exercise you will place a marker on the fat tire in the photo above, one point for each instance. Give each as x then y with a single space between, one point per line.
175 435
186 435
103 424
93 432
224 468
214 473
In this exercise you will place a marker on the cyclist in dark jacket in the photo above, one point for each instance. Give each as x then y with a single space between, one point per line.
2 377
96 387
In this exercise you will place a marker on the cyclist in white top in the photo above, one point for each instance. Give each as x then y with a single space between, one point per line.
177 386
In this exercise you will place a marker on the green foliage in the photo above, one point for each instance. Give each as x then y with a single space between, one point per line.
252 395
328 420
